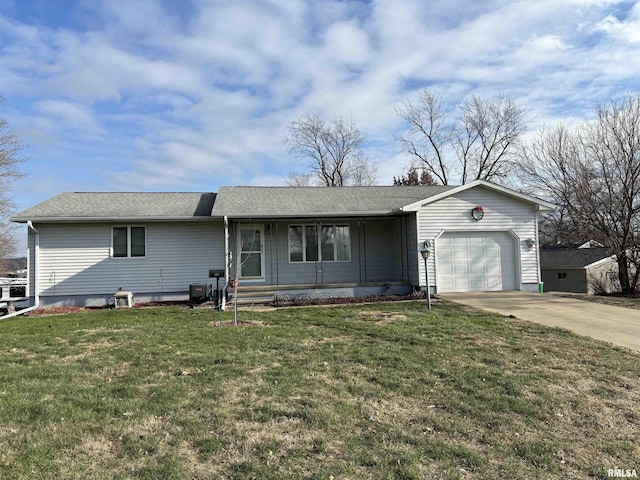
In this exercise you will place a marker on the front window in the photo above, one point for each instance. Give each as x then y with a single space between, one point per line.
329 243
129 242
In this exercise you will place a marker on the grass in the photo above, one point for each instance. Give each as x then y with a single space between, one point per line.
618 300
385 391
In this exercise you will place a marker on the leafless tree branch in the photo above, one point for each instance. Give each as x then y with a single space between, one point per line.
593 172
333 151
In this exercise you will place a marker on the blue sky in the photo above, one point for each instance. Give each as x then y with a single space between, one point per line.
168 95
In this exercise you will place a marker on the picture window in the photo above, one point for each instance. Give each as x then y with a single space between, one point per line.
328 243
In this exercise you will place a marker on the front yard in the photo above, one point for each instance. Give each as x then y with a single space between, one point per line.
626 301
377 391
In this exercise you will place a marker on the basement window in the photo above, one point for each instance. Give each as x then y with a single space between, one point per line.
129 242
562 275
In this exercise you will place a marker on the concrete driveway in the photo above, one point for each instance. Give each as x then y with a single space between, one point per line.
618 325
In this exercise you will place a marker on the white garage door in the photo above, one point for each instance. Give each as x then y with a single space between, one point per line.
476 262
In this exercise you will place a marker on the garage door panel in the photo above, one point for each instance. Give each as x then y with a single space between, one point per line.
477 268
492 253
461 284
447 269
461 269
461 254
445 254
493 269
476 261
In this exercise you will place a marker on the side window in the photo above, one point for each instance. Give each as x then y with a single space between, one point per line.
129 242
562 275
120 242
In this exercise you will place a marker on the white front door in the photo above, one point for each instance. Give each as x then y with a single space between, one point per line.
476 262
251 242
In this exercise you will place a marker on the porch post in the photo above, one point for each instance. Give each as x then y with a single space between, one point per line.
226 259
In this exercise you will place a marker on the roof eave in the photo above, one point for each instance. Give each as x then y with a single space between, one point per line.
602 261
19 219
542 206
382 213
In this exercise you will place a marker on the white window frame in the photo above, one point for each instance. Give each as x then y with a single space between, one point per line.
319 227
129 227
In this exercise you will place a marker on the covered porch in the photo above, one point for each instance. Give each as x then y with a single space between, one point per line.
322 257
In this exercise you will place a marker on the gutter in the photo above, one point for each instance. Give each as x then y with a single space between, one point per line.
312 215
36 265
203 218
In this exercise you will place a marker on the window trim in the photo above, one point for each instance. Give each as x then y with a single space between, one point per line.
318 226
128 256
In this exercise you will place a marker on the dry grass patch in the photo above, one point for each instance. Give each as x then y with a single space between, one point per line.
382 317
368 392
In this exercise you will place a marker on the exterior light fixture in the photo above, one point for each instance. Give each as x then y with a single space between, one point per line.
425 250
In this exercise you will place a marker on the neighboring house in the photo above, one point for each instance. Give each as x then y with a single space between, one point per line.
579 269
83 247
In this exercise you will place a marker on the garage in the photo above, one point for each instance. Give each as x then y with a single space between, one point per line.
476 262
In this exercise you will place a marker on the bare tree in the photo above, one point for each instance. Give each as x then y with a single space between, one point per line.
428 132
487 137
362 171
593 172
10 160
297 179
480 143
333 151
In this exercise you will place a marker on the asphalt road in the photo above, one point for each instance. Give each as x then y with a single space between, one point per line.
617 325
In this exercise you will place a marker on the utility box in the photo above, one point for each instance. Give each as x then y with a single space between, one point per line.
123 299
199 293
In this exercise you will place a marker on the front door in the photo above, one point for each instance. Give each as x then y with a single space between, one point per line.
251 241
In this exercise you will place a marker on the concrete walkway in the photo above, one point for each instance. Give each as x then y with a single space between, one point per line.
618 325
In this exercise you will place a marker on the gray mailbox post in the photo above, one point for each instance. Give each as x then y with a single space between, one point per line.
425 251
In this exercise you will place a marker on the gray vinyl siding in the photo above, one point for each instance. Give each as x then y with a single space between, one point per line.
414 261
576 280
591 280
75 258
375 252
501 213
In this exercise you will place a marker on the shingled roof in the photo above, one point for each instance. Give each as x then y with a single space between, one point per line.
84 206
572 258
264 202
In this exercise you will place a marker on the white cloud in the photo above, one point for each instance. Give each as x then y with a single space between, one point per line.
69 116
201 94
626 31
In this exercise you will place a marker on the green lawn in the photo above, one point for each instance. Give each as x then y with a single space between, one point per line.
353 392
626 301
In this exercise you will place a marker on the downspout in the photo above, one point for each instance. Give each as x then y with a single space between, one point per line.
537 212
36 267
226 261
